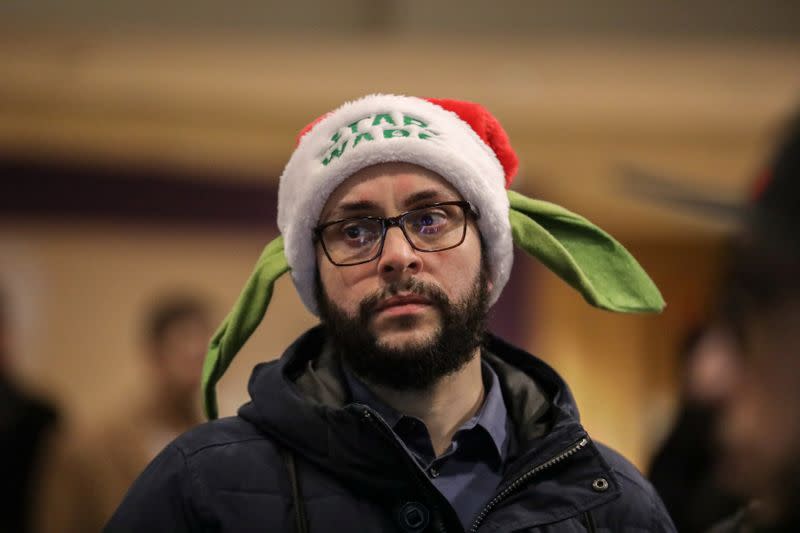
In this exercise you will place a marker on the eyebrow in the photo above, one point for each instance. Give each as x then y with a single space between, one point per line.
427 194
360 206
357 206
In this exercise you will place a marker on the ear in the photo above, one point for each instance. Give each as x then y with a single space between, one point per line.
242 321
583 255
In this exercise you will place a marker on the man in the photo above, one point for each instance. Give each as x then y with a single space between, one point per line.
399 413
684 469
760 449
89 471
25 423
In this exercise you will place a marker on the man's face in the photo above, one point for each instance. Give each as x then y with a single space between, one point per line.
180 353
760 427
403 301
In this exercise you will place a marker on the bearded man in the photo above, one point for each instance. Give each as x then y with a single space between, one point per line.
400 412
759 428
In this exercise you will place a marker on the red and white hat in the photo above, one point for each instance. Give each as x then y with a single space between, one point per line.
460 141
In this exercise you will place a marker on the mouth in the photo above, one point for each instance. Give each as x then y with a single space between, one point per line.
403 304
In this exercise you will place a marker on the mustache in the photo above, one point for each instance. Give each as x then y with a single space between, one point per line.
414 286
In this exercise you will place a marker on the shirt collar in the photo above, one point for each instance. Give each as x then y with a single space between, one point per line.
360 393
492 416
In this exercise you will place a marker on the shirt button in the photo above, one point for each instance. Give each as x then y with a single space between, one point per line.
433 472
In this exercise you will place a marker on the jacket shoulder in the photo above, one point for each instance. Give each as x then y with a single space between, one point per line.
229 431
639 503
200 475
232 455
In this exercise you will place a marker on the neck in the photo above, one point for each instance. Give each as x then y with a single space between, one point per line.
443 407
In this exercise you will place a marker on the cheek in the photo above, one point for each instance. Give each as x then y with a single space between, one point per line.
761 422
457 271
346 286
454 277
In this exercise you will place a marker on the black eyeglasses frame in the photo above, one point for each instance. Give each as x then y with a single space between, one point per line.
397 222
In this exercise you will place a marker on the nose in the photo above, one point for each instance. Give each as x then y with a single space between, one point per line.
398 258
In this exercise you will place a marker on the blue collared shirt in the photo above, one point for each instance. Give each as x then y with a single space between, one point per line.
469 472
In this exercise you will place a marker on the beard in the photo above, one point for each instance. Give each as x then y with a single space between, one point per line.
417 365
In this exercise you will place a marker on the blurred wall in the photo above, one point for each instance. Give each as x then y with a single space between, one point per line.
685 92
637 18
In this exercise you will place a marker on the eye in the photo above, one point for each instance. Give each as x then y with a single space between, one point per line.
357 233
353 231
429 221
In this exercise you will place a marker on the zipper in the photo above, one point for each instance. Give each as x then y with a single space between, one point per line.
385 430
521 480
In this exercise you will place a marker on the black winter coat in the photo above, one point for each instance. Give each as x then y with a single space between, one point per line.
299 457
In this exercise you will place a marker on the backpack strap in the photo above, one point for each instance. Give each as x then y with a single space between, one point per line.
588 520
300 518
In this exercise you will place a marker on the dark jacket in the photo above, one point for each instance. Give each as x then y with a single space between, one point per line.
25 425
683 471
300 446
745 521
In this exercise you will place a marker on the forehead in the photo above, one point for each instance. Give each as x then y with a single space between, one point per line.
390 183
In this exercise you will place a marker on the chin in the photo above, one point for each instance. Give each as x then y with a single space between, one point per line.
402 339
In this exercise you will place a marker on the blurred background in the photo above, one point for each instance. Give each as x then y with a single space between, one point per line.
141 144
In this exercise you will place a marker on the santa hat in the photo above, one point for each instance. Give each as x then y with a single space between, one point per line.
467 146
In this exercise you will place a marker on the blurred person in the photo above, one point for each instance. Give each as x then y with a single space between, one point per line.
25 423
399 412
684 469
760 425
90 470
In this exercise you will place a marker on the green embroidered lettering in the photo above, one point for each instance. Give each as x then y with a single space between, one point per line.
354 126
336 136
367 136
408 121
426 135
336 152
388 134
383 117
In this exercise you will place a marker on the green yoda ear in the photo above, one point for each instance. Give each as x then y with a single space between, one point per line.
583 255
242 321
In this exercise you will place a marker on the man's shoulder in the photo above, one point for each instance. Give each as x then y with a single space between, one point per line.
623 468
639 502
183 486
228 454
220 437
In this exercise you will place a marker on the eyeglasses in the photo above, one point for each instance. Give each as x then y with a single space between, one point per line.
357 240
